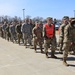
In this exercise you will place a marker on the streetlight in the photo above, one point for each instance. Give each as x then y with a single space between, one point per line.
74 13
23 14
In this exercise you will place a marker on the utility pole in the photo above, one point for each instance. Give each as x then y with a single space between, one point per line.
23 14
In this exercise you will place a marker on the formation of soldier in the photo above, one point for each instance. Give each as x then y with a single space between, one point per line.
32 34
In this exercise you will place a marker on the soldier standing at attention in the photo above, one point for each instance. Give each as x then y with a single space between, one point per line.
37 36
49 37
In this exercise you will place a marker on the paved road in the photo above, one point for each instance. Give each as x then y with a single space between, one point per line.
16 60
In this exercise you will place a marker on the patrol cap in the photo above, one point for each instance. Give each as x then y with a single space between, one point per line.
65 18
49 18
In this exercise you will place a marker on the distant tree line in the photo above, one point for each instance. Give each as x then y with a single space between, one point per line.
16 19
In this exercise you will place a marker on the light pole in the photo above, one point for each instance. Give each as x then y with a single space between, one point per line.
23 14
74 13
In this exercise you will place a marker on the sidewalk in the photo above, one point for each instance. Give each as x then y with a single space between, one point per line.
16 60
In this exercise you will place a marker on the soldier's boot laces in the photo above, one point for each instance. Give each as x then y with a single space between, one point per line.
65 63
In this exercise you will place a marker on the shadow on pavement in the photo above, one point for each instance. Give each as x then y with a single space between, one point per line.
71 59
71 65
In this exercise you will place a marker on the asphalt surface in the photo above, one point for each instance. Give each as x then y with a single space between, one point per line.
18 60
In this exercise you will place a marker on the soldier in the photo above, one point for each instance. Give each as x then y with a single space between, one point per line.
19 33
7 32
27 33
61 32
31 23
49 37
3 29
71 51
69 39
37 36
1 32
13 32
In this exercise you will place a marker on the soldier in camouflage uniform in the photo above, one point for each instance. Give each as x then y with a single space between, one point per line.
49 37
8 36
61 31
1 32
69 39
3 29
19 33
37 36
27 33
13 32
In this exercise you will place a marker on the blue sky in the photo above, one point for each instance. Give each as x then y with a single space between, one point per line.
43 8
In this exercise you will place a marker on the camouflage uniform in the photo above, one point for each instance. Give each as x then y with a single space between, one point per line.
61 37
13 33
61 31
49 41
19 33
1 32
4 31
37 37
8 33
27 33
69 38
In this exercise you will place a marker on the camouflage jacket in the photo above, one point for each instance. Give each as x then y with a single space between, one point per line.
37 32
69 33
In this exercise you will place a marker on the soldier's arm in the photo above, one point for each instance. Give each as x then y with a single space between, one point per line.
61 32
16 28
66 32
22 30
44 32
33 32
54 31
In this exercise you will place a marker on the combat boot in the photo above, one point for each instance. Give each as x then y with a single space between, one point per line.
65 63
52 54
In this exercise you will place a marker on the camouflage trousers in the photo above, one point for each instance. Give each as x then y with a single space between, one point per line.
8 36
60 46
20 37
13 37
37 41
4 34
66 48
1 34
27 38
49 42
